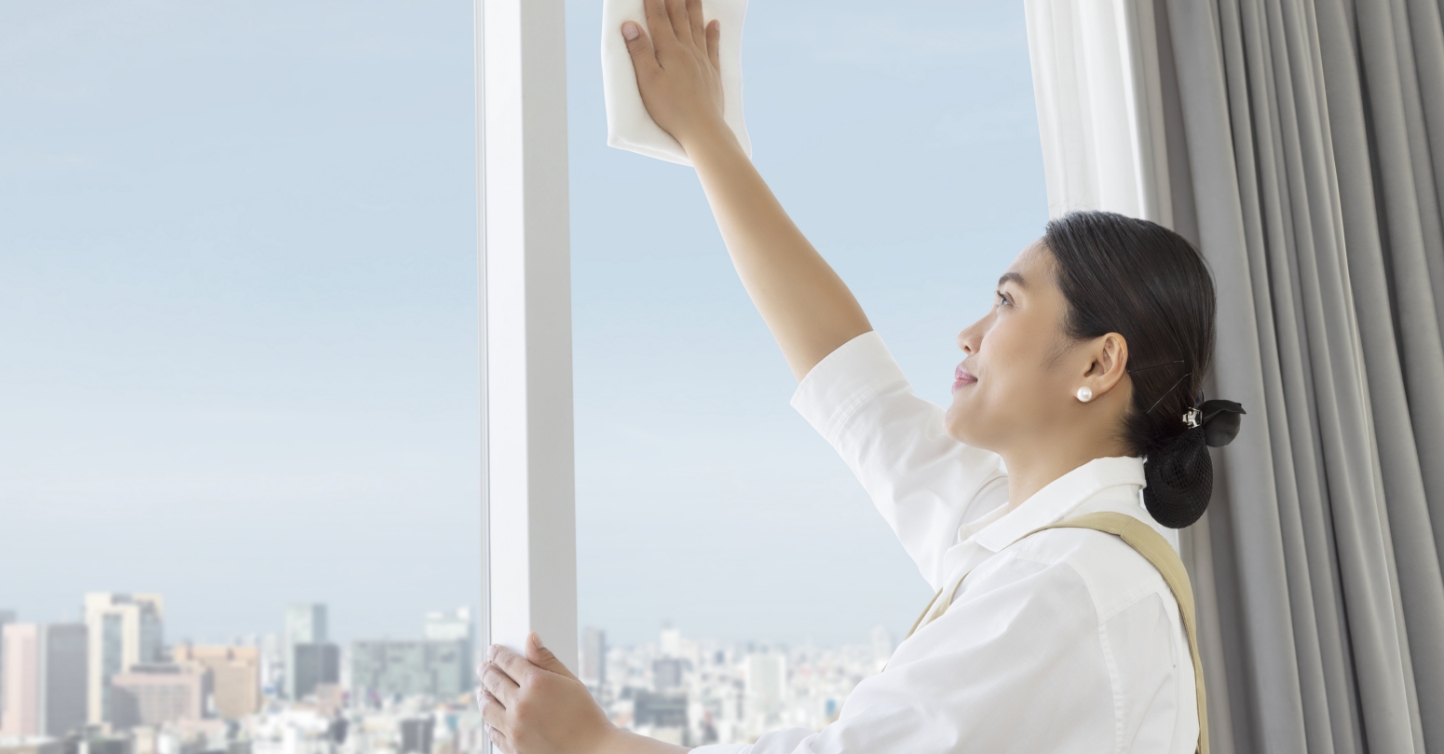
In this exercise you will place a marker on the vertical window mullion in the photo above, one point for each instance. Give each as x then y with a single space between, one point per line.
529 560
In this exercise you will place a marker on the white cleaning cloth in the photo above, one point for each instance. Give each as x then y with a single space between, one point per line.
628 124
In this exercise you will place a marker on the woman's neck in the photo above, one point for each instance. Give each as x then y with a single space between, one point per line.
1040 466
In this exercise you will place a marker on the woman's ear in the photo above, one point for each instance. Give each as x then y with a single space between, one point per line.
1110 362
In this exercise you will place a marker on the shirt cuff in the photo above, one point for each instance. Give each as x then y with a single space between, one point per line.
843 381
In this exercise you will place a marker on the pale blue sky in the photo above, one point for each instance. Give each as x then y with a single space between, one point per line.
238 310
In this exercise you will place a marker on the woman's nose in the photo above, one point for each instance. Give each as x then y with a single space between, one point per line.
965 341
970 335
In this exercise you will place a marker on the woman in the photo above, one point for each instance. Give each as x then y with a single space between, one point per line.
1090 361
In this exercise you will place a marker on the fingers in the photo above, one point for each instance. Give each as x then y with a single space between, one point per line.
499 684
639 46
516 666
500 740
492 710
714 43
494 715
694 22
543 658
677 14
658 23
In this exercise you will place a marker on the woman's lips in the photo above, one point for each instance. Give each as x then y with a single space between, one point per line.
963 377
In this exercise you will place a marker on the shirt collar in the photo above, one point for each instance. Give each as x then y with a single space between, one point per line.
1059 498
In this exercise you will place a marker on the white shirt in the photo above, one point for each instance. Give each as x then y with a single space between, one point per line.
1065 641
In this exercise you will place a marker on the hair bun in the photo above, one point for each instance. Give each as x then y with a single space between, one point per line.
1179 474
1180 480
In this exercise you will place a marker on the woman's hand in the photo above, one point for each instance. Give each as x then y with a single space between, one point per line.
678 71
805 304
534 705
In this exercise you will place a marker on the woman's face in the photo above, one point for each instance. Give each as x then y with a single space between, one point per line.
1018 373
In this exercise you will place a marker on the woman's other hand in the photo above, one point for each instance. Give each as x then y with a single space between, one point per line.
678 71
534 705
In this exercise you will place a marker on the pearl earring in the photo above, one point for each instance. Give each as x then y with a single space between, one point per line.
1085 394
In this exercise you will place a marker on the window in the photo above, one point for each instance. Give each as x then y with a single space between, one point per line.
238 308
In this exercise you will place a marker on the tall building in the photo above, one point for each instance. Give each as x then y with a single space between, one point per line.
124 630
439 665
416 735
6 616
661 716
766 685
305 624
438 668
312 665
235 676
455 626
273 664
881 646
593 658
670 642
668 673
152 694
44 679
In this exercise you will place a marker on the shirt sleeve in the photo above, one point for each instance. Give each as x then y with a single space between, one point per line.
1014 666
923 482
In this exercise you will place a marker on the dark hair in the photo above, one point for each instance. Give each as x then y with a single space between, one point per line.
1148 284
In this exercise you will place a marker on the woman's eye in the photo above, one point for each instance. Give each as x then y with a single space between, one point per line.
1003 300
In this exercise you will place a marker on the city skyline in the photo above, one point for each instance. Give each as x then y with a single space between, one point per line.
115 683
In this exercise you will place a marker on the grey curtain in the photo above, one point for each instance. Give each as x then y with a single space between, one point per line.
1306 159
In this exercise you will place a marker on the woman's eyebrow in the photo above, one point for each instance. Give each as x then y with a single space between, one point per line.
1013 276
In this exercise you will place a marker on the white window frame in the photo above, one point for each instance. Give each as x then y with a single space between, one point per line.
529 573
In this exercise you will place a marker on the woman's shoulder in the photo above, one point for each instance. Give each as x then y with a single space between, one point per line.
1113 574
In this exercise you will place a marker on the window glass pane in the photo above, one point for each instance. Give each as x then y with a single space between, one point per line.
240 373
902 138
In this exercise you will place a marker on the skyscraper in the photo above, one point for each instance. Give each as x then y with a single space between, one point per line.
439 667
305 624
152 694
416 735
124 630
6 616
593 670
273 664
313 665
668 673
766 685
235 676
456 629
881 646
44 679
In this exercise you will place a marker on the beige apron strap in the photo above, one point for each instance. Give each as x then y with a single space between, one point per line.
1156 550
1152 546
919 622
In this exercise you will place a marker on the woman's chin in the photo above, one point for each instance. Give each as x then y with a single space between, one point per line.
965 423
956 424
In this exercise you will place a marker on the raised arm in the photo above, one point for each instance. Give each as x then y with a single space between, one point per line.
803 301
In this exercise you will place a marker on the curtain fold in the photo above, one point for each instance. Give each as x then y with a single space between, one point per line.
1301 147
1312 157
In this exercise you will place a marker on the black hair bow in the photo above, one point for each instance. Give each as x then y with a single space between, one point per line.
1219 419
